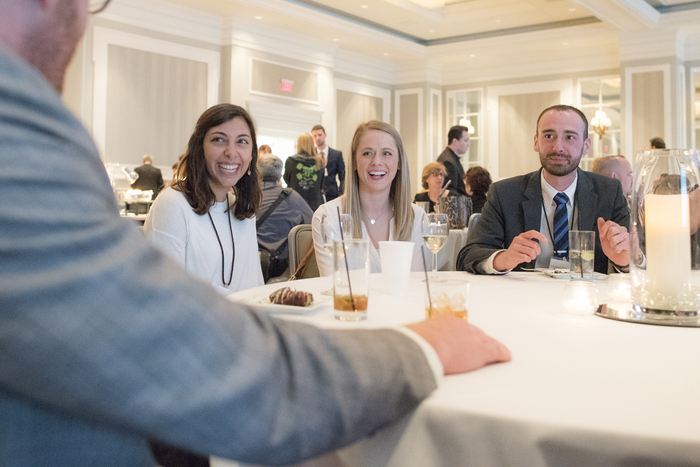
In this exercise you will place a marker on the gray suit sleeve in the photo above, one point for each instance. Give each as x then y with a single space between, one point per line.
98 326
485 238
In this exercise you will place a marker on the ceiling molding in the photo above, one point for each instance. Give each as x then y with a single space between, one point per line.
626 15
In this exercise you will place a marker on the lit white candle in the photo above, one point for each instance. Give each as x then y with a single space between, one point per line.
667 226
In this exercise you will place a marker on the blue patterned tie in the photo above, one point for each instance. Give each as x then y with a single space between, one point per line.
561 227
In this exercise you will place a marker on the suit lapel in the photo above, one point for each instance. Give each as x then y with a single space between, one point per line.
586 203
532 203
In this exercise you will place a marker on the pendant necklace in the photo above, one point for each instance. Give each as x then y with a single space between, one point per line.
372 221
233 245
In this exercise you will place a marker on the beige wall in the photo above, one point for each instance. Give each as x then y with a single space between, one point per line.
267 78
647 108
408 119
153 103
517 116
353 109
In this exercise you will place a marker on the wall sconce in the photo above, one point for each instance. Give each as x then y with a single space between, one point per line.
600 123
468 124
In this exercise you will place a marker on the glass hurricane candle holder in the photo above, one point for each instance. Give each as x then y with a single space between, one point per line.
664 237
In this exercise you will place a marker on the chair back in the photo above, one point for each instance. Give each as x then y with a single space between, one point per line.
300 240
472 220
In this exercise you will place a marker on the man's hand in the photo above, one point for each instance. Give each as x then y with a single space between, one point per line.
461 346
522 249
615 241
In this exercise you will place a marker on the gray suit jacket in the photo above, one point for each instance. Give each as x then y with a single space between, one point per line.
105 342
514 206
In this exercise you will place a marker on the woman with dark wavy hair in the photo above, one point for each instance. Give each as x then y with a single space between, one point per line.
477 181
206 219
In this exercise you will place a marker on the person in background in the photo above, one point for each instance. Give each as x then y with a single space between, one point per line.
113 343
433 179
457 144
477 182
657 143
206 219
273 226
264 149
377 196
526 219
303 172
150 178
617 167
334 175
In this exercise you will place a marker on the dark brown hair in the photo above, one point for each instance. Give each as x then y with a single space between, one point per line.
193 177
564 108
478 179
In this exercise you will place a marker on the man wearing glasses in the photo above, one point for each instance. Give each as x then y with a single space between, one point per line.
105 343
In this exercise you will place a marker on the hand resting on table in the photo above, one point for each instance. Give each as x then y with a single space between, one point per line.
461 346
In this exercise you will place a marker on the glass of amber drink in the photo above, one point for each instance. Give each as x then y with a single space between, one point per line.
449 298
350 279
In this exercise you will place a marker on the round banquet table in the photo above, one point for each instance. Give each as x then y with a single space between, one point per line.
580 390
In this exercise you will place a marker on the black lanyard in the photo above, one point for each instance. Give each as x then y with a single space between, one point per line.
546 219
233 246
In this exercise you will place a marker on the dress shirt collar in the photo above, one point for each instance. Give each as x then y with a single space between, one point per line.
549 192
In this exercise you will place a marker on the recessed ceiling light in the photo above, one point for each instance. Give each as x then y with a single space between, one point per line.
258 17
386 53
498 20
363 6
432 30
472 55
572 9
565 43
336 39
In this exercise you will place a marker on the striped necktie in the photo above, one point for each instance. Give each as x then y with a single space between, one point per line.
561 227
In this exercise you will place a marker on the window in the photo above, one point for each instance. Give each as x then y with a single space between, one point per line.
465 108
601 94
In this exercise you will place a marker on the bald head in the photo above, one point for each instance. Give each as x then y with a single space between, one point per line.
44 33
617 167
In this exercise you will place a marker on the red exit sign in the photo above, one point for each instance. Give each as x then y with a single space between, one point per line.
286 85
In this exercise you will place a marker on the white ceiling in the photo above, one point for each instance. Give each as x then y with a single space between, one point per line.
401 33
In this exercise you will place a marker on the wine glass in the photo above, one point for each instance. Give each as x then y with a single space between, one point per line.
435 229
330 230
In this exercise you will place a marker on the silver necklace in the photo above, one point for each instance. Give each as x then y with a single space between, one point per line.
372 221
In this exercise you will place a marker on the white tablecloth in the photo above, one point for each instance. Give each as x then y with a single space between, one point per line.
579 391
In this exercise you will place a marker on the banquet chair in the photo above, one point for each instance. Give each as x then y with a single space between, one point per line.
300 243
472 220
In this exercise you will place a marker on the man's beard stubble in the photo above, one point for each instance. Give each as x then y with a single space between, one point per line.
560 170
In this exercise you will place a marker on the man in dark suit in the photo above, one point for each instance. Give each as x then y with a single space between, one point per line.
150 178
519 218
457 144
334 177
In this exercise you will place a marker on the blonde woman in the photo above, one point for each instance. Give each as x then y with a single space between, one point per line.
377 196
303 172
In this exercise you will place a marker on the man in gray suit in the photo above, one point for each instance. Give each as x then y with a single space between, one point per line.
105 342
519 219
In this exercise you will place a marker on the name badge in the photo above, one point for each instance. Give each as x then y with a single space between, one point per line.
558 263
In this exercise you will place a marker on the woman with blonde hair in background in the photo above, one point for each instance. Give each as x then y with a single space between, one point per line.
303 172
433 181
377 196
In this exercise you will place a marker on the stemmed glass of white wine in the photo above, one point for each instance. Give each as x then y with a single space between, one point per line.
435 229
330 230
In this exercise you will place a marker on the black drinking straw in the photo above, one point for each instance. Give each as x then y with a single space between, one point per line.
427 284
347 267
